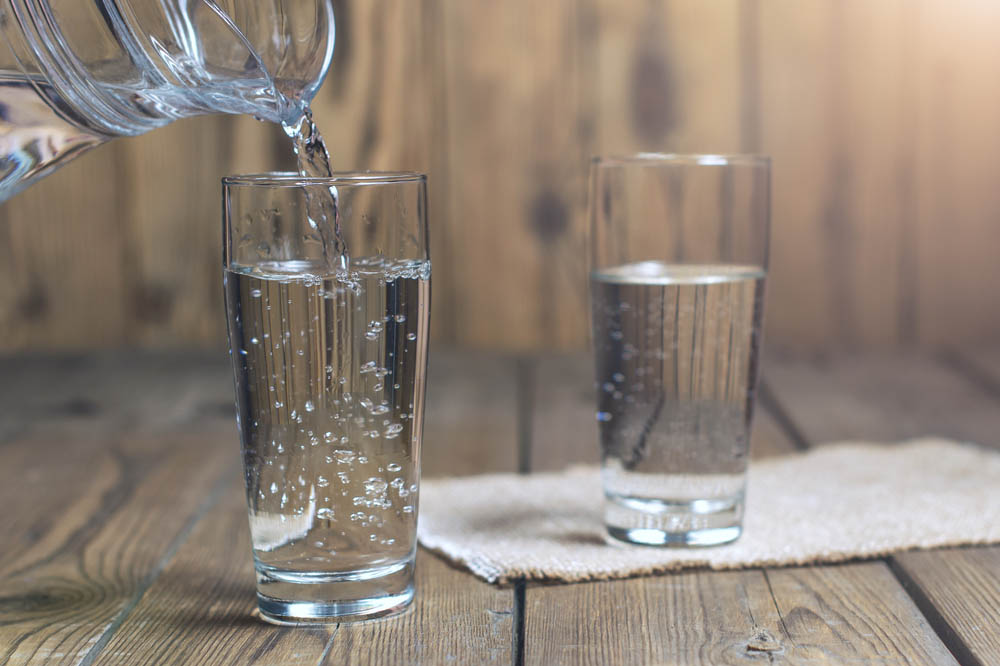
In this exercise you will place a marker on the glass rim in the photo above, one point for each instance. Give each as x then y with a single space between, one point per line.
682 159
352 178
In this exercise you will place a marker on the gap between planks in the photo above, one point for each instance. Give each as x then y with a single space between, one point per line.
969 371
218 488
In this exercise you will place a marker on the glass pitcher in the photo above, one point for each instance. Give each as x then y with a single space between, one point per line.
76 73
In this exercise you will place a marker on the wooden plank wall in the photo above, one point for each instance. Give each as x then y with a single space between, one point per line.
883 119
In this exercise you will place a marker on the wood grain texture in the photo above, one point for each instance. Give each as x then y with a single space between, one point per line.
59 245
470 420
959 589
831 103
172 226
954 115
73 574
201 609
688 618
879 117
811 614
512 89
980 366
881 397
101 395
454 619
852 613
830 615
895 397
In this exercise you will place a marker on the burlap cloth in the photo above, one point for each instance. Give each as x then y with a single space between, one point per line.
837 502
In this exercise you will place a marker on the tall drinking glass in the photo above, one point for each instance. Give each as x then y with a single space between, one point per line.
679 259
329 356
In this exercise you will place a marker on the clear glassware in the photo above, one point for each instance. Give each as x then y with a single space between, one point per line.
678 266
330 360
76 74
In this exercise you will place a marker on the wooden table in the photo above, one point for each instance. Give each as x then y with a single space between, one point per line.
124 537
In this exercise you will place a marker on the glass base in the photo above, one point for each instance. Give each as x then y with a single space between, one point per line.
657 522
315 598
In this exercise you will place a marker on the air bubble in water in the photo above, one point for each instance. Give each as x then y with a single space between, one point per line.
274 487
309 406
375 486
344 457
394 467
411 336
324 513
255 293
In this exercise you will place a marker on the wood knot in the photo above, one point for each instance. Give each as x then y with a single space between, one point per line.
763 641
152 303
34 303
652 112
549 215
79 406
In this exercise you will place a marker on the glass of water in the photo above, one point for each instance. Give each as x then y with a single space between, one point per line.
678 265
328 326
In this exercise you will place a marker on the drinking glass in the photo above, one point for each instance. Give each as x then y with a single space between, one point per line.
328 335
678 265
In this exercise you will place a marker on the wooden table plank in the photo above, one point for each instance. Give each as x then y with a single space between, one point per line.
894 397
454 619
470 422
823 615
957 589
103 393
881 397
82 565
816 614
200 609
854 613
686 618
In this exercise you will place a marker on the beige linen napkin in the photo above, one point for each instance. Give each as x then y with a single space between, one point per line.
834 503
